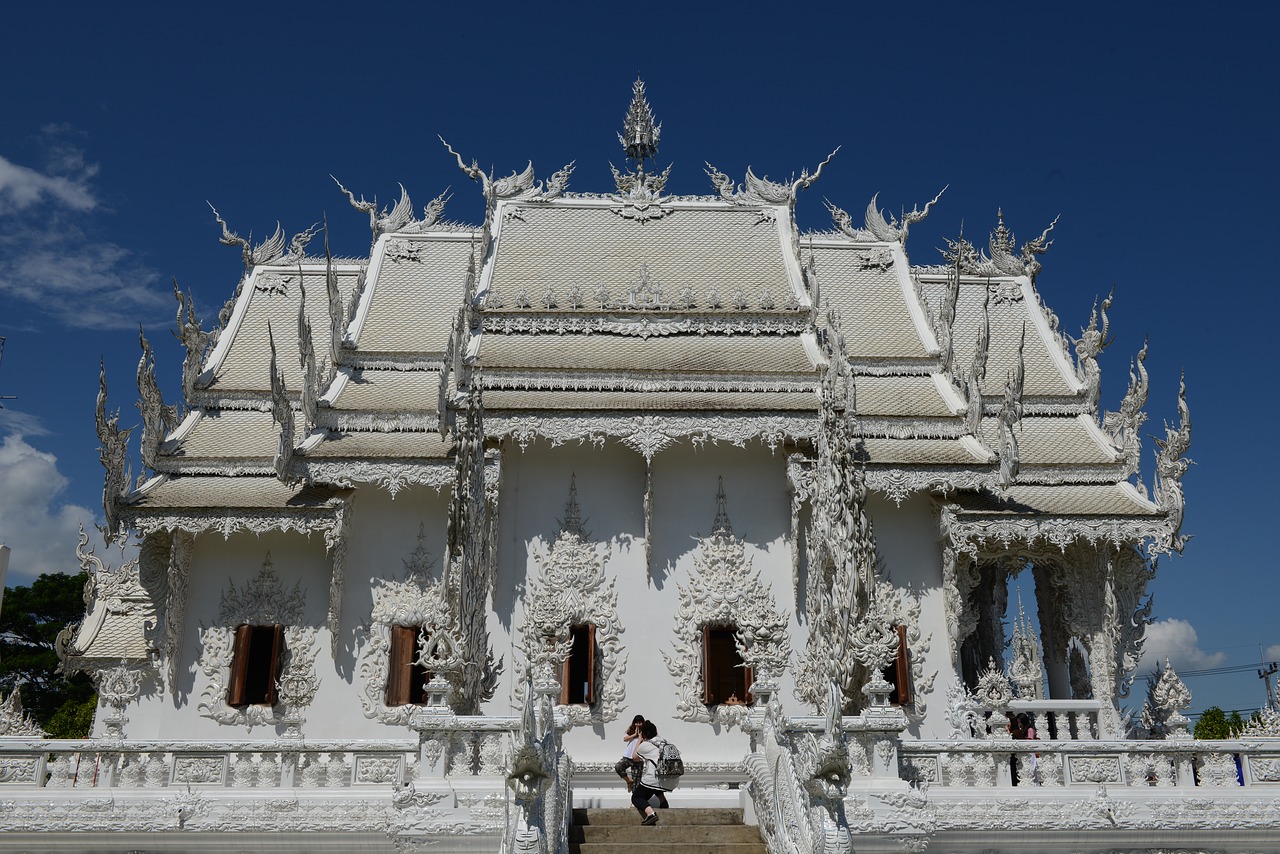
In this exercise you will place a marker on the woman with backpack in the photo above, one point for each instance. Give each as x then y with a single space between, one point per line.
649 785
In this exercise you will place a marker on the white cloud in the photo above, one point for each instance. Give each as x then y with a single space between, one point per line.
1273 652
21 423
40 531
1176 640
82 282
21 186
49 256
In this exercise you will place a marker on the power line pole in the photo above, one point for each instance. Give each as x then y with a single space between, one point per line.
4 396
1265 674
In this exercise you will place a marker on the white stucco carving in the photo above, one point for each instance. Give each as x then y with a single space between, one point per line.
417 599
262 601
572 589
722 591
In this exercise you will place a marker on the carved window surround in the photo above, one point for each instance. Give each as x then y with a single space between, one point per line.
572 590
262 601
417 599
724 591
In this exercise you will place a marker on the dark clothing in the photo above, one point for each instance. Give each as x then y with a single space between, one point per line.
641 794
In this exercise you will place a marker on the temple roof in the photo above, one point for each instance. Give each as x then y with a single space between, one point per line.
562 247
572 315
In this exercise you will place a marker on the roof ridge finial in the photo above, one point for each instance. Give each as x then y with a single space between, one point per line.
640 135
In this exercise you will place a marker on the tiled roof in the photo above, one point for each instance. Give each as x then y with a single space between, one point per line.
199 492
390 391
559 246
1010 314
495 400
1073 500
710 354
907 397
273 298
873 310
232 434
920 452
415 445
413 302
1050 441
103 635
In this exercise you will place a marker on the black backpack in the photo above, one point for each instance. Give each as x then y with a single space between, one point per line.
669 763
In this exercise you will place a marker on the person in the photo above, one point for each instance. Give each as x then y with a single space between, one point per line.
650 784
1028 727
1018 732
627 766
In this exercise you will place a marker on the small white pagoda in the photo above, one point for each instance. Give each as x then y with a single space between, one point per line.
429 526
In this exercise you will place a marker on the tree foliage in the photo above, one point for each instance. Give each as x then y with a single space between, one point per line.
1217 724
30 621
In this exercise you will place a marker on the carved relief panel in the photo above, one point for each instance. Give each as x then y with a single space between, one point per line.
570 593
723 591
417 600
263 601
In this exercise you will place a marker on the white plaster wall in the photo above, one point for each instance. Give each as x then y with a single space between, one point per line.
535 486
610 485
909 542
383 533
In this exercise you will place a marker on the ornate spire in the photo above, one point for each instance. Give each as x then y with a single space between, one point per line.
1027 670
639 135
282 414
721 527
1171 465
1011 417
572 521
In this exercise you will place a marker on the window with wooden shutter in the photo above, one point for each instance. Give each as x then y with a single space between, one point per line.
726 678
898 674
406 678
255 665
578 674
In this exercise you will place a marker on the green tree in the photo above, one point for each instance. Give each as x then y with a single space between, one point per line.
1216 724
30 621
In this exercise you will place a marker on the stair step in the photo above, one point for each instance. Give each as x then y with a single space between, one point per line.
657 846
674 816
679 831
636 832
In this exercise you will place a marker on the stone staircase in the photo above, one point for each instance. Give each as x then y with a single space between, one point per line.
679 831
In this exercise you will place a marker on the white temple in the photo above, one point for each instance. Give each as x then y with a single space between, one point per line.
430 526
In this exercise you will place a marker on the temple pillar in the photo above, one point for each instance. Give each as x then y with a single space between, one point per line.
1054 636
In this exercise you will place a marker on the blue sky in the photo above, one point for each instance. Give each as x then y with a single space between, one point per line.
1153 134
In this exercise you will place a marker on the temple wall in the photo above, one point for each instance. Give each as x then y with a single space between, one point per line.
909 542
610 485
535 488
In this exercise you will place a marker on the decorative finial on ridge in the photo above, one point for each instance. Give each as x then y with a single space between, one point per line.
639 135
721 527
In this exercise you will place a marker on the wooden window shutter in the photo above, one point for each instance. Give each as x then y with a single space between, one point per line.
708 691
239 666
400 666
273 672
902 668
590 635
564 674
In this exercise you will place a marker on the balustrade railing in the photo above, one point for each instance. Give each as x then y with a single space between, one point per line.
1162 764
276 763
1061 720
